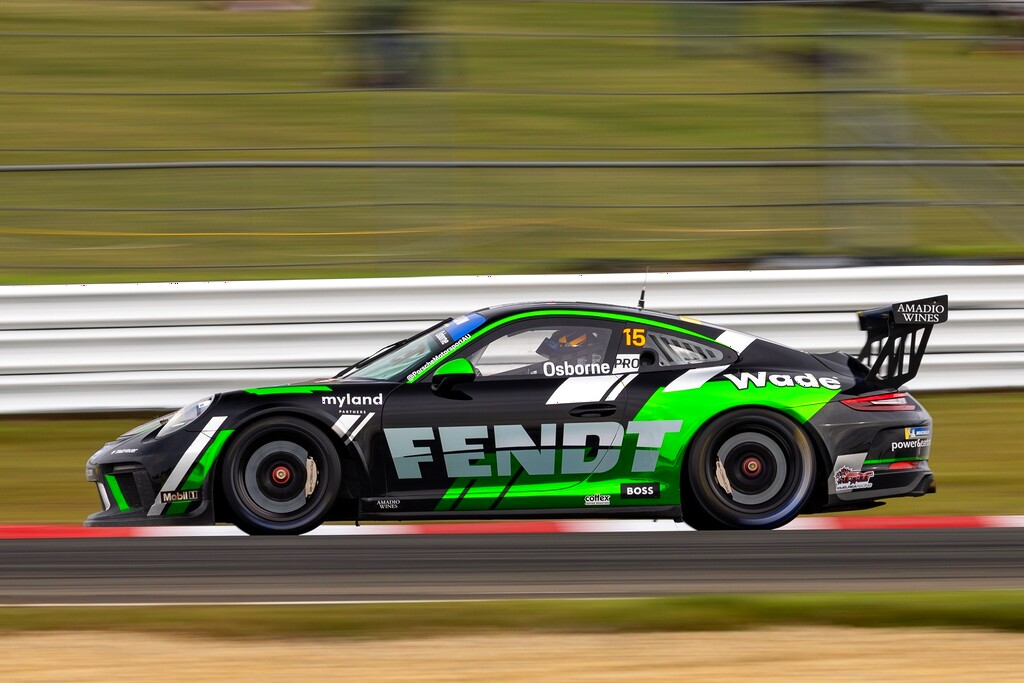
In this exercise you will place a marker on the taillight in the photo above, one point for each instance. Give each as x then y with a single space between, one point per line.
883 402
902 465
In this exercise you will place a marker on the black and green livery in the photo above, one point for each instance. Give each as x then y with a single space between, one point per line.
547 410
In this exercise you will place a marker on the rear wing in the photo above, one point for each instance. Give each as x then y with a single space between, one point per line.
897 337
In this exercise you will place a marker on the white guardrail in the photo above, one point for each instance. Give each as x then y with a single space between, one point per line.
66 348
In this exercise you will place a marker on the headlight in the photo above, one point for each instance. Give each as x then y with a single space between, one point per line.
145 428
185 416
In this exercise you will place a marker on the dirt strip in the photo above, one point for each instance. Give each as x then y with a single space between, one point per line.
791 654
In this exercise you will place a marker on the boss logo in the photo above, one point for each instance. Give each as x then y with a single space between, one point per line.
639 491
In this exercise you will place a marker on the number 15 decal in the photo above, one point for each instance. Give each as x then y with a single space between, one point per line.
635 336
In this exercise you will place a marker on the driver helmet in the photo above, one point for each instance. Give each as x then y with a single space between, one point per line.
575 345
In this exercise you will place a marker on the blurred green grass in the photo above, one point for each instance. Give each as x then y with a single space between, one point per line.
975 456
491 234
996 610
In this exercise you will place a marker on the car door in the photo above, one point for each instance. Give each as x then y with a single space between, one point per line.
671 396
543 412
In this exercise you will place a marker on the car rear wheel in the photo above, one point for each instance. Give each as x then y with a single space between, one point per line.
749 469
280 476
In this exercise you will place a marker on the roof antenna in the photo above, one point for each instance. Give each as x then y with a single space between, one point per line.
643 290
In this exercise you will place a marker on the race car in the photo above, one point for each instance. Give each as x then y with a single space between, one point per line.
546 410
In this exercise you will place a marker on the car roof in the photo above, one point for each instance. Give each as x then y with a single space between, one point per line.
494 313
766 350
505 310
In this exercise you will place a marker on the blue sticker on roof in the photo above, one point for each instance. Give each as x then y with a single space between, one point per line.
464 325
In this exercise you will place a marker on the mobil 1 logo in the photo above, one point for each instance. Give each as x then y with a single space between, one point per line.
646 491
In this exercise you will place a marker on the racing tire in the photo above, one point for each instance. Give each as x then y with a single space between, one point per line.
280 475
749 469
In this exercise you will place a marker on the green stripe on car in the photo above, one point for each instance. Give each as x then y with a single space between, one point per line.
271 391
203 466
178 507
115 491
883 461
200 471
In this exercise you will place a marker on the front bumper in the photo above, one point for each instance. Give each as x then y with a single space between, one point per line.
129 475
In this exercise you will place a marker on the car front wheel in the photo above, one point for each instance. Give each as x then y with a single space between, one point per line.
280 476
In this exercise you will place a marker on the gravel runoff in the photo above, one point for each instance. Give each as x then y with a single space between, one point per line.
789 654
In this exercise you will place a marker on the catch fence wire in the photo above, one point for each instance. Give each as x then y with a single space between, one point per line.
891 154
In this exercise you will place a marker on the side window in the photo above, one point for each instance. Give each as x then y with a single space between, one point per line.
546 348
644 346
674 350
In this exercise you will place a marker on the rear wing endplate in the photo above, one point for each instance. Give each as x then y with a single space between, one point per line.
896 339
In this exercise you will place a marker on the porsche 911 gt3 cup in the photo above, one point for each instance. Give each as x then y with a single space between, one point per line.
546 411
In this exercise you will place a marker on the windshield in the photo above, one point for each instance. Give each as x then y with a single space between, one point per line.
409 357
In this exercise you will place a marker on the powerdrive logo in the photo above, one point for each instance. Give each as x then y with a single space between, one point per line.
915 437
913 443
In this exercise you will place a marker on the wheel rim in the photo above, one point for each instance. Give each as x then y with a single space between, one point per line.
755 465
281 478
275 475
766 476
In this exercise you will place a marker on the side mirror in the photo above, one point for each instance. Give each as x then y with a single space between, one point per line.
452 373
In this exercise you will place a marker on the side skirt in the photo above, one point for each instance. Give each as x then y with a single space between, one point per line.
645 512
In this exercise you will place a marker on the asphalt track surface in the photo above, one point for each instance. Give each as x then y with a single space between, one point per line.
371 568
